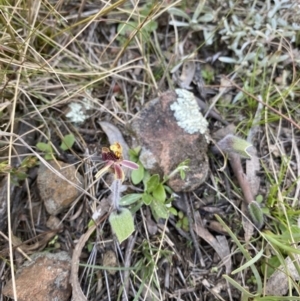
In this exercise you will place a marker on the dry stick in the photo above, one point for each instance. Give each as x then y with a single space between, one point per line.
31 248
195 241
77 291
128 256
236 164
19 249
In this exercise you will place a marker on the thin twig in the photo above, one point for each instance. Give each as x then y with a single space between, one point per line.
18 249
127 263
195 241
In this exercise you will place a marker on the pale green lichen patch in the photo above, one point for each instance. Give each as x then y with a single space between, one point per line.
187 114
78 112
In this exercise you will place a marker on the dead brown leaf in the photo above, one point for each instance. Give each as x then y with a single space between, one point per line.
219 243
187 74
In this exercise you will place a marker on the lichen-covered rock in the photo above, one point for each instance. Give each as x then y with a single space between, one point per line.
45 278
186 112
170 129
55 192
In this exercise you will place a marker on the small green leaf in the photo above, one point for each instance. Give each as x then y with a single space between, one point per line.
130 199
29 162
159 210
90 246
256 214
137 149
138 175
259 198
3 164
232 144
122 224
147 198
173 211
136 207
178 224
178 12
47 149
185 221
127 28
182 174
67 142
150 26
240 146
159 193
197 11
168 189
152 183
184 164
134 153
21 175
44 147
48 157
91 223
146 178
206 18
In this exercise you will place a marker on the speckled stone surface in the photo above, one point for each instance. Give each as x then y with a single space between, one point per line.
56 192
45 278
165 144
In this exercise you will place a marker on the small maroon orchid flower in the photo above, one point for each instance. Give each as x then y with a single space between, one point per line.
113 157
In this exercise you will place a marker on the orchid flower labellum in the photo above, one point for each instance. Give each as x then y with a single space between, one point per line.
113 158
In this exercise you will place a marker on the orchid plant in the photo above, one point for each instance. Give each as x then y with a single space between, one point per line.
113 157
120 219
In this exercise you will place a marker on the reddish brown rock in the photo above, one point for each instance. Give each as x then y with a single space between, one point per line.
45 278
55 192
165 143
